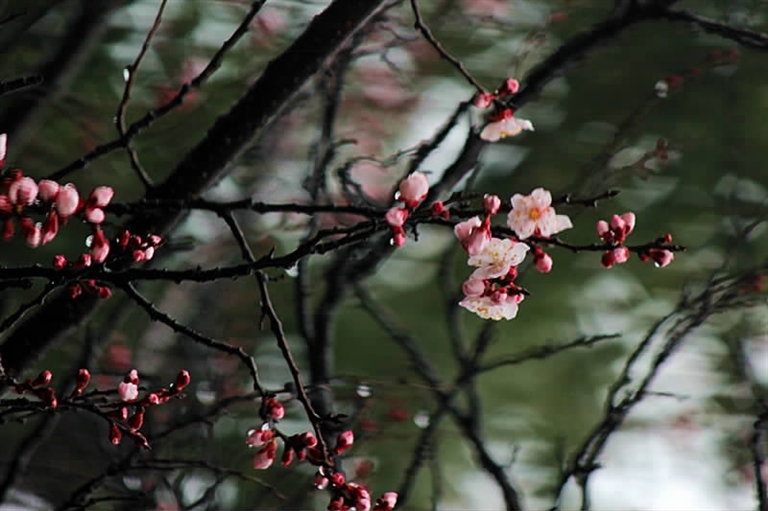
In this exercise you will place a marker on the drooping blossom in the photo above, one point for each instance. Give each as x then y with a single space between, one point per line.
498 306
534 215
496 259
413 189
661 257
67 201
504 125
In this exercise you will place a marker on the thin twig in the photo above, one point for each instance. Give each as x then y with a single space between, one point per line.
133 70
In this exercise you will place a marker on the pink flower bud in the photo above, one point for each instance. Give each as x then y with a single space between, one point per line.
50 228
491 203
149 253
153 399
287 457
337 480
44 378
23 192
94 215
344 441
386 502
320 481
99 246
104 292
265 456
473 288
477 241
661 258
629 221
59 261
413 189
82 380
3 148
127 391
602 228
137 419
620 255
48 190
483 99
100 197
132 377
67 201
34 235
398 236
617 223
182 380
138 256
259 437
114 434
274 408
396 217
462 230
543 263
608 259
511 86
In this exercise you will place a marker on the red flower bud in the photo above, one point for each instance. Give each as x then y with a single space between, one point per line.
82 380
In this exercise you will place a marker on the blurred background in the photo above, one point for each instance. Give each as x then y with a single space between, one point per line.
597 128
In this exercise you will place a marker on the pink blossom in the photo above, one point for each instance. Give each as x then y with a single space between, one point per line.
618 229
23 191
505 125
533 214
67 201
396 217
48 190
542 261
491 204
603 228
488 308
413 189
483 99
496 259
259 437
128 391
320 481
473 288
473 234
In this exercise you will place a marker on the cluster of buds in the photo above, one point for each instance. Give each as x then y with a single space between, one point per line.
21 193
502 123
123 422
347 496
615 233
412 190
39 388
490 291
89 286
141 250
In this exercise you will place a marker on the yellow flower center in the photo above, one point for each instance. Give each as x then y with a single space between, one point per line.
534 214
